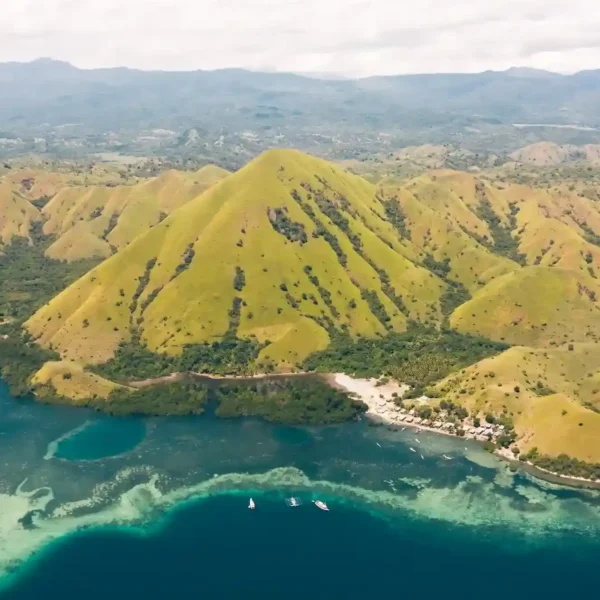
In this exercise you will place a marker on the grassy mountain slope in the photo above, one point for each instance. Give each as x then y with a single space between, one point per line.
78 243
108 218
70 380
39 180
474 238
487 234
548 393
17 214
534 306
440 237
208 175
551 154
35 183
304 243
556 227
290 251
451 195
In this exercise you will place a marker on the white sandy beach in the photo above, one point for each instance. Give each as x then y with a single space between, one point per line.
378 398
382 407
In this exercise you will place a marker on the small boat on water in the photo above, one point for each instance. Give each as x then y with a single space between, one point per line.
412 449
293 502
403 429
446 457
321 505
416 440
251 506
378 444
422 456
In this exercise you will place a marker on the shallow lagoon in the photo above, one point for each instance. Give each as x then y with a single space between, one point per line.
168 511
99 438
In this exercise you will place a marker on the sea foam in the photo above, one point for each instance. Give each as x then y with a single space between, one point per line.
54 444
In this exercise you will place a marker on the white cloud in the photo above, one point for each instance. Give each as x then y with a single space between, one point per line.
350 37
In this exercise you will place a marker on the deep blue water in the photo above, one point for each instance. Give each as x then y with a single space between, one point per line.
218 549
157 508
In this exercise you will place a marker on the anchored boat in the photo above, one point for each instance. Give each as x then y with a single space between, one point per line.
321 505
251 506
293 502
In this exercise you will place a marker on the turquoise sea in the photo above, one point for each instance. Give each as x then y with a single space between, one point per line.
97 507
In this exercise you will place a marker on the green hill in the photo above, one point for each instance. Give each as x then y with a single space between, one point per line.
291 255
284 251
552 395
291 250
534 306
95 221
17 214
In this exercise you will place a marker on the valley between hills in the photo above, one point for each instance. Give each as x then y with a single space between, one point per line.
474 290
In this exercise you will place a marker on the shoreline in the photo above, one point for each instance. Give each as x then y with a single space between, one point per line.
544 474
378 397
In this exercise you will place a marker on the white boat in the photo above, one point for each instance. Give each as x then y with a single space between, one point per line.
416 440
251 506
293 502
321 505
403 429
446 457
422 456
378 444
412 450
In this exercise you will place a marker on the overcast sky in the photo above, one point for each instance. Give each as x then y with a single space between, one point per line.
347 37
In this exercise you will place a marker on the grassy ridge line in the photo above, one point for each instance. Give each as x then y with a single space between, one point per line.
98 220
557 228
229 228
17 214
471 264
551 394
35 183
363 216
70 380
534 306
553 227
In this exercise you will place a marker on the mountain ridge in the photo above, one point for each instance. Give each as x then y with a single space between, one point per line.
238 100
291 258
93 221
442 246
64 65
194 233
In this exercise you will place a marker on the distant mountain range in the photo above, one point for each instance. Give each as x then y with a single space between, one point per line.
56 93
